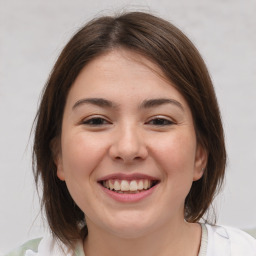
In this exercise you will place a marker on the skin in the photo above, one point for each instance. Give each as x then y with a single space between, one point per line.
127 137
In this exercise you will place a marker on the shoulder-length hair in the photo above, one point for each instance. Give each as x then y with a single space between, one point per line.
181 63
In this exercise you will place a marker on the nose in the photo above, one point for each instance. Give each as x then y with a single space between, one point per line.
128 145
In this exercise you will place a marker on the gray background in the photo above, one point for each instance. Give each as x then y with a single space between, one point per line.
32 33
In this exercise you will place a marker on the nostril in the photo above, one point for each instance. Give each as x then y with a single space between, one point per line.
128 149
128 160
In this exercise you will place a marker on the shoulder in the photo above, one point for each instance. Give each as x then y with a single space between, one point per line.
31 245
241 242
231 240
47 246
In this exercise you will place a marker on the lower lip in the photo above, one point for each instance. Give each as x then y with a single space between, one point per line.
129 198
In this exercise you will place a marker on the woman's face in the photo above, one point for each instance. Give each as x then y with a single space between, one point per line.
129 152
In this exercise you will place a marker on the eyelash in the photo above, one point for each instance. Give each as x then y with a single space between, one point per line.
96 121
99 121
161 121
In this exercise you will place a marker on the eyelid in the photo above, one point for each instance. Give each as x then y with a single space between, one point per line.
95 117
159 117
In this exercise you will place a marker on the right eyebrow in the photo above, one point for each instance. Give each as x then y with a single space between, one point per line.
95 101
150 103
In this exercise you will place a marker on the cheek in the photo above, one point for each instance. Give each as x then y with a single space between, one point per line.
81 154
175 155
176 152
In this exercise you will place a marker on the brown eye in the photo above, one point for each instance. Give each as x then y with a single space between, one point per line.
96 121
160 122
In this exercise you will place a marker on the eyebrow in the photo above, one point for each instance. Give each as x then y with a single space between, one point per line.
150 103
161 101
95 101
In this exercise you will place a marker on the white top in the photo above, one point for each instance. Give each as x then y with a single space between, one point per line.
226 241
204 241
215 241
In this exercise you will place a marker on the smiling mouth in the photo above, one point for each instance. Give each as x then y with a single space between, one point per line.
128 186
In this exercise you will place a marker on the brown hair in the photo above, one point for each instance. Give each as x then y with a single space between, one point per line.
181 63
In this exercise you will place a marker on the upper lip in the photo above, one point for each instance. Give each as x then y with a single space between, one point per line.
124 176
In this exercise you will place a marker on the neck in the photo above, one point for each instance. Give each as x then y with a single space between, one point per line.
179 239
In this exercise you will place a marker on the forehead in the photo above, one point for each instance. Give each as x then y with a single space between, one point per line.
122 74
119 60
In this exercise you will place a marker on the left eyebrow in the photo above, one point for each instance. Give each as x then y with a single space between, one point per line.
95 101
158 102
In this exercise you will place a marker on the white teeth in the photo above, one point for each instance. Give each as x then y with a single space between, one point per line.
134 186
124 185
146 184
111 185
117 185
140 185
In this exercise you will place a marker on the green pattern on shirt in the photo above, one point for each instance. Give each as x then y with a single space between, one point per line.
32 245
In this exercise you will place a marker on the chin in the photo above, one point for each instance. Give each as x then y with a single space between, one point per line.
131 232
130 226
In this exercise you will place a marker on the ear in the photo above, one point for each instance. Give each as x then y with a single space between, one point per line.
57 157
201 158
59 165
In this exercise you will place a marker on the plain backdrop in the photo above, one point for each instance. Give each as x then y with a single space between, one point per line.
32 33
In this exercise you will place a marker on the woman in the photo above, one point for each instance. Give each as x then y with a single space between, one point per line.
129 146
